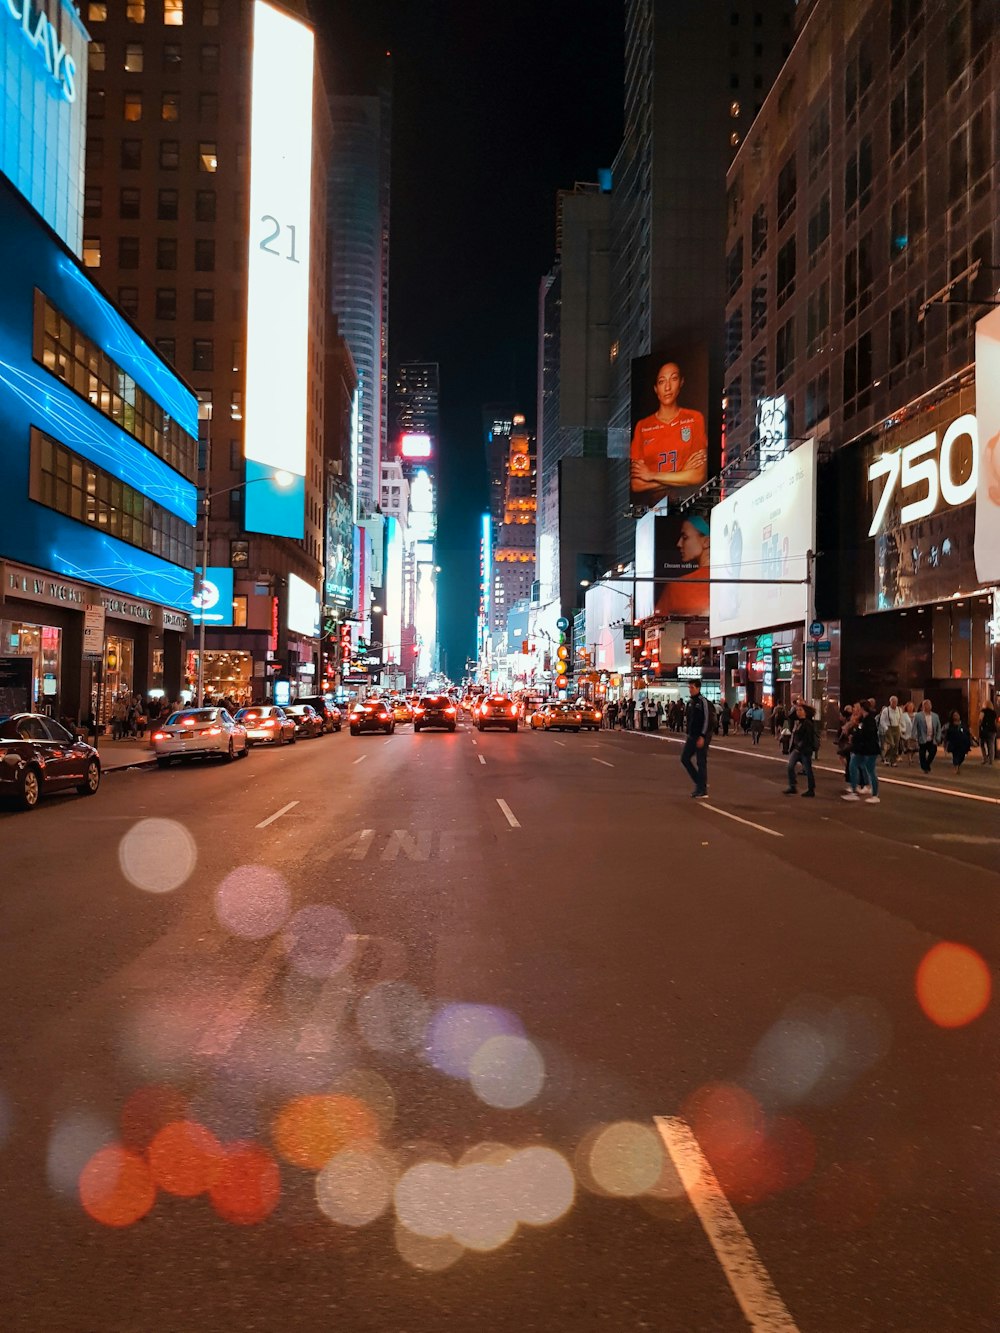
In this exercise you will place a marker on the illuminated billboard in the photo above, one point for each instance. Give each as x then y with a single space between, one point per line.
415 446
277 351
759 539
987 459
392 623
212 600
303 607
339 543
668 456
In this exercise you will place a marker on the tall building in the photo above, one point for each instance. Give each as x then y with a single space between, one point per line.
863 247
176 92
415 445
513 554
695 76
358 224
498 421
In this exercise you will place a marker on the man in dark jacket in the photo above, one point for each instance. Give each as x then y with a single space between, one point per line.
699 733
866 747
802 748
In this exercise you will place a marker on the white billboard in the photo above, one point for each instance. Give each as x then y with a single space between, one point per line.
277 351
987 545
303 607
759 536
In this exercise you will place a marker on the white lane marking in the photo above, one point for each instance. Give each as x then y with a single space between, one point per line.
388 740
749 822
482 759
508 813
750 1281
474 741
277 814
361 759
233 1019
973 839
828 768
562 743
601 761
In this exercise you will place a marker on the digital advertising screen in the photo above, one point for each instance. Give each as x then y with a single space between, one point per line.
987 541
339 543
761 535
212 599
276 400
669 450
303 607
414 446
673 552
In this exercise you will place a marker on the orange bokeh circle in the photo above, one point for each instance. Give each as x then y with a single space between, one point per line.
248 1185
116 1188
310 1129
185 1158
953 984
147 1110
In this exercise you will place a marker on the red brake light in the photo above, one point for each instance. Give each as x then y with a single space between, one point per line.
159 735
270 722
214 731
513 710
449 710
188 722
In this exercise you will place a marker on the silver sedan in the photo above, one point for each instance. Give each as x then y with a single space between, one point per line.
196 732
267 724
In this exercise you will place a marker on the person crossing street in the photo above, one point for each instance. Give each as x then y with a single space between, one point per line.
699 734
802 749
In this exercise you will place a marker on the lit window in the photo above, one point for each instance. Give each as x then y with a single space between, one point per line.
173 13
135 11
236 406
170 106
207 159
92 244
97 13
96 57
133 57
133 106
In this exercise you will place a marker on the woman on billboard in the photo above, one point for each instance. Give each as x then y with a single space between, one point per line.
669 453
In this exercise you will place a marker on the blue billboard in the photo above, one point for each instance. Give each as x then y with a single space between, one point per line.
43 100
212 598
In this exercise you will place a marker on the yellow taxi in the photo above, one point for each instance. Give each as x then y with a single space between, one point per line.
401 710
591 716
556 717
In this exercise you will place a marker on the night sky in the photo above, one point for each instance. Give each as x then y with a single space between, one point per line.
496 107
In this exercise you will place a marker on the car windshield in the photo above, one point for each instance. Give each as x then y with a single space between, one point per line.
433 701
187 717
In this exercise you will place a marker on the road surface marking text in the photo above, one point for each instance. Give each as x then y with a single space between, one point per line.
508 813
750 1281
231 1021
277 814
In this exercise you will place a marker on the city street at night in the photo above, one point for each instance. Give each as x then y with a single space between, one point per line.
490 1031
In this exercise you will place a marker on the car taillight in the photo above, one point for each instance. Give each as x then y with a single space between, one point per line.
513 711
188 722
418 711
213 731
270 722
450 710
159 735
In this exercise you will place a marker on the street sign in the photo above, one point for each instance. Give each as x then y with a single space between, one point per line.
562 623
93 632
823 646
631 632
817 629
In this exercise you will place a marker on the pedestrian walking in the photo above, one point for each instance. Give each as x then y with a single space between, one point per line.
849 716
756 723
631 713
611 714
890 723
699 733
907 731
957 742
724 719
927 729
865 748
803 747
988 731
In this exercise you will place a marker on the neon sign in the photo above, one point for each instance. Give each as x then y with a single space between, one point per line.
40 33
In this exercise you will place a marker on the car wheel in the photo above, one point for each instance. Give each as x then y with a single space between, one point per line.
514 728
293 738
355 731
576 728
231 752
31 788
416 729
451 728
162 762
246 750
91 778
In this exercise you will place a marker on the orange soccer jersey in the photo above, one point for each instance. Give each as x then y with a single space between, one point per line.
672 446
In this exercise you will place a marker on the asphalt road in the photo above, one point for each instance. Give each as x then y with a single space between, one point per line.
514 1036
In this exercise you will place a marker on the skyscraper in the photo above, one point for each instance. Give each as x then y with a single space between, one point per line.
514 536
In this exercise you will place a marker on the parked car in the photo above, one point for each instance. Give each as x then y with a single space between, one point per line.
557 717
372 715
39 755
193 733
307 721
267 724
435 710
333 718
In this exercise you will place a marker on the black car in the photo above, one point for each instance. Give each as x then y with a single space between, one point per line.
374 715
333 718
38 755
496 710
435 710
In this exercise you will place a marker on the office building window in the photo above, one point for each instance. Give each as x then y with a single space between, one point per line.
170 106
235 505
236 406
129 202
166 252
132 106
170 154
204 256
819 227
173 13
171 57
166 303
128 252
209 58
208 108
207 158
204 206
204 304
817 318
166 205
65 351
203 354
96 57
97 13
786 271
133 58
858 375
210 13
734 268
237 357
92 201
71 485
167 348
95 154
128 301
131 154
92 251
758 233
135 11
786 190
96 103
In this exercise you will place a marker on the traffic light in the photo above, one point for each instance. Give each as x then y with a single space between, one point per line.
562 661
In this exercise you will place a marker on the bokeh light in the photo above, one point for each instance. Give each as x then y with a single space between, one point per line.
157 855
507 1072
185 1158
253 902
356 1185
147 1110
457 1031
424 1253
625 1158
116 1187
727 1122
75 1138
787 1063
541 1184
247 1188
953 984
374 1091
423 1199
392 1018
320 941
309 1130
482 1215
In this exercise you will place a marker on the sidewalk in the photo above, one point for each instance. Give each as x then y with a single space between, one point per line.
128 753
